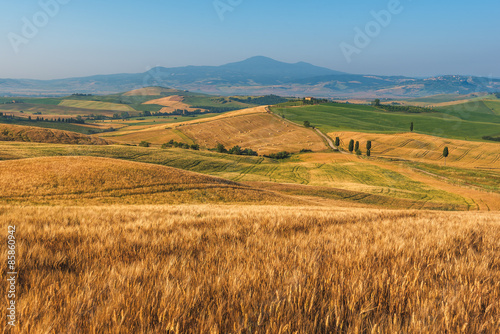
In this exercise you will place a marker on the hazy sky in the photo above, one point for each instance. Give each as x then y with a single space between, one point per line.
87 37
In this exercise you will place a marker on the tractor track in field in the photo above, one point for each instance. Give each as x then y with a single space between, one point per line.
296 172
247 170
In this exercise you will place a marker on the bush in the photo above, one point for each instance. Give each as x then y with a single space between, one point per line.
358 152
279 155
220 148
305 150
236 150
144 144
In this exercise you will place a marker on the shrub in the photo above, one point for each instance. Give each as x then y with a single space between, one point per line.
279 155
144 144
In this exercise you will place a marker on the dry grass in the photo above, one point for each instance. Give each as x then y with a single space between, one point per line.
171 103
42 135
425 148
156 136
96 105
264 133
88 180
238 269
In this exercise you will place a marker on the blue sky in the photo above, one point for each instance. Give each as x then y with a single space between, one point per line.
100 37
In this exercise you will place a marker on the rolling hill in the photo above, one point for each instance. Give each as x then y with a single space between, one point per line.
92 180
21 133
469 121
252 128
258 76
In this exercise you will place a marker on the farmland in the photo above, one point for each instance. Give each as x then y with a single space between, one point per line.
468 122
320 241
254 268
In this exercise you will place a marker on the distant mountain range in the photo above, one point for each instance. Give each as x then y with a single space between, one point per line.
257 76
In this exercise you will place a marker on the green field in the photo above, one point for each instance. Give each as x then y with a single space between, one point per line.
440 98
374 182
459 122
494 105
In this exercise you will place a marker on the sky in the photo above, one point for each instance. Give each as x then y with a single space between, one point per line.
49 39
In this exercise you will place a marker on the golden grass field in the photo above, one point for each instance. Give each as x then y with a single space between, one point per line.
254 269
114 239
97 105
264 133
21 133
171 103
425 148
252 128
89 180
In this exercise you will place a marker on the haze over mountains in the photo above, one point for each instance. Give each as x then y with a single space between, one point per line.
257 76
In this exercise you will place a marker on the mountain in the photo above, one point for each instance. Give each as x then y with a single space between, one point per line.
257 76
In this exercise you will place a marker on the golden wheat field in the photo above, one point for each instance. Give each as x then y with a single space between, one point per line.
91 180
21 133
264 133
425 148
254 269
171 103
252 128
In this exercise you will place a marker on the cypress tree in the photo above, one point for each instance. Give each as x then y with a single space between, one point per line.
445 154
351 145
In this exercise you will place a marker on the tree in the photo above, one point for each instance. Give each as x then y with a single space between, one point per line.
411 127
236 150
351 145
368 153
220 148
369 145
124 115
376 103
358 152
337 141
445 154
307 124
356 147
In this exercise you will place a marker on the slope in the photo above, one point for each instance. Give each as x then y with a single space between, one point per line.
90 180
42 135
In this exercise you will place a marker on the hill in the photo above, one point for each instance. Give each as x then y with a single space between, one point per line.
42 135
92 180
469 121
252 128
425 148
258 76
